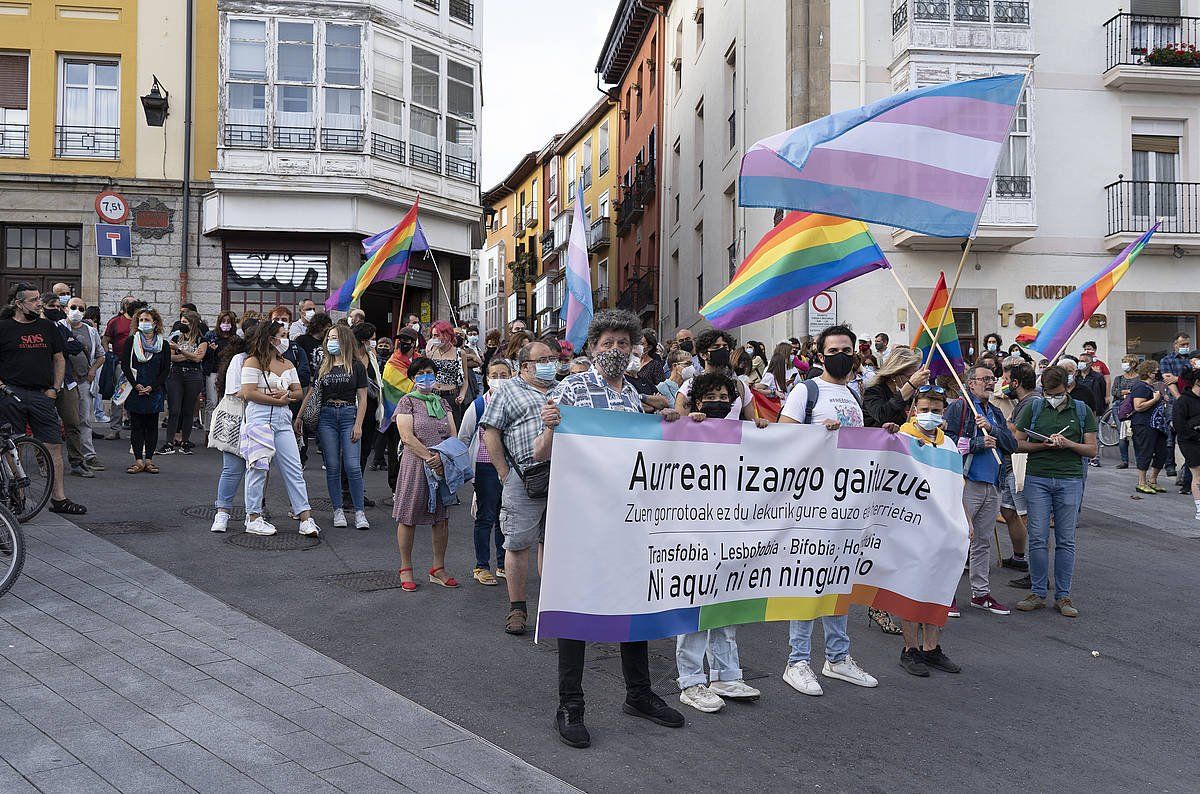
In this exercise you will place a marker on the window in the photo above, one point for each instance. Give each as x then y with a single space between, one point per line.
604 148
1012 175
700 265
246 91
602 205
639 88
89 114
1152 335
698 16
677 61
731 224
460 90
426 78
460 149
503 217
45 248
552 179
247 49
652 67
343 59
389 66
387 107
423 134
587 164
572 175
14 104
295 52
967 323
731 92
1155 175
625 112
700 177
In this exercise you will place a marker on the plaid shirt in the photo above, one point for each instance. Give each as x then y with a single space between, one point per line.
1173 364
589 390
515 409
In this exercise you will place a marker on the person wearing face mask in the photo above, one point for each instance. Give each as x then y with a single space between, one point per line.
298 358
714 348
394 385
305 311
424 420
223 331
146 363
83 368
992 344
1086 377
1059 434
686 341
677 362
1174 364
1149 442
491 346
1122 385
185 383
378 451
487 482
116 332
883 347
414 324
1019 391
452 363
1076 388
1186 421
312 341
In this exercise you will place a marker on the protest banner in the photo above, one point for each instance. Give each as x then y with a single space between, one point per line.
657 528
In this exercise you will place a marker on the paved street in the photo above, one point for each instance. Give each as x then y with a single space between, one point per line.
118 671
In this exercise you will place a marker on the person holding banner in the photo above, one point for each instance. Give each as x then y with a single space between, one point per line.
828 401
610 337
715 349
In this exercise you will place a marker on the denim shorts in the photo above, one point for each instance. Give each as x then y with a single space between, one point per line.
1010 497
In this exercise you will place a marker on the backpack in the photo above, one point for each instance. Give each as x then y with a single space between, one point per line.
1040 402
1125 409
812 393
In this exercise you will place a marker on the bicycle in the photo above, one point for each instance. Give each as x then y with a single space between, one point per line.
12 549
26 471
1109 428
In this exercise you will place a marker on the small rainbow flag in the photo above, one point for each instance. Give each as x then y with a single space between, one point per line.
396 384
939 313
805 254
387 257
1055 329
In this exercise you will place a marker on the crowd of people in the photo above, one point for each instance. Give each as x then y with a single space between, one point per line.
436 406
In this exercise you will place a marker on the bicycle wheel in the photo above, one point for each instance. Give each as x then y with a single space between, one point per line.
1109 429
30 483
12 549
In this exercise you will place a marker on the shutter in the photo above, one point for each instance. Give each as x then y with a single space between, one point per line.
1156 8
1167 144
14 82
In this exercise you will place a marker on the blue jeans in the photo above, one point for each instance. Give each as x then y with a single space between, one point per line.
837 641
333 430
723 661
287 461
487 516
233 468
1062 497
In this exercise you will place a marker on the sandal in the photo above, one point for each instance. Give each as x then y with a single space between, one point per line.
151 468
136 468
67 507
886 623
407 587
449 581
1145 489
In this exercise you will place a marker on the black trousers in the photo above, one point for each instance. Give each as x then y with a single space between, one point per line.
184 385
143 433
369 431
392 449
635 666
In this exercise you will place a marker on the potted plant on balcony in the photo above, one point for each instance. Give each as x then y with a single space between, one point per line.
1173 55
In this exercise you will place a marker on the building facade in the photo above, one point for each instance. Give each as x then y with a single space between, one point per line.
72 125
334 117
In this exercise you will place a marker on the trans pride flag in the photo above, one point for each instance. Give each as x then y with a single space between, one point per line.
577 296
388 255
939 313
920 160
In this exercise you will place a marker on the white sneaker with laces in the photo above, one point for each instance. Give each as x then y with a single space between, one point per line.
701 698
738 690
360 520
848 670
309 527
260 526
220 522
800 677
339 517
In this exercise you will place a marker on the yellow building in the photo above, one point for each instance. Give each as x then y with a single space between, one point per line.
72 124
510 262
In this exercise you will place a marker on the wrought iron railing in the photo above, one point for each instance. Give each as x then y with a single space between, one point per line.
586 177
387 148
970 10
14 140
603 162
644 182
638 296
425 159
600 298
1141 40
460 168
1004 12
900 18
1012 186
246 136
463 11
432 5
599 234
931 10
103 143
549 249
342 140
1135 205
628 212
1011 12
295 137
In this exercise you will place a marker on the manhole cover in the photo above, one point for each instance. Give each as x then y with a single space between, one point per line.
208 511
280 541
663 671
323 503
122 527
365 581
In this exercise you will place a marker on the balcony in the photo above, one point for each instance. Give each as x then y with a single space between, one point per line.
295 137
638 296
1008 219
342 140
101 143
530 214
461 168
1134 206
246 136
14 140
644 182
549 250
431 5
603 162
1146 53
600 298
463 11
586 177
961 24
629 212
387 148
425 158
518 226
599 235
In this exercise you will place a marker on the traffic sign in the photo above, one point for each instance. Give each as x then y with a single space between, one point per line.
113 240
112 207
822 312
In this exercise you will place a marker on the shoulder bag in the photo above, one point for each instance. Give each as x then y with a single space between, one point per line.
225 431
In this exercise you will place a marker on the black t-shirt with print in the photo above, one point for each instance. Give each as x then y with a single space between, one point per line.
27 353
337 384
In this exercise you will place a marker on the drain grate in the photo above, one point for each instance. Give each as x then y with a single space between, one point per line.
323 503
122 527
365 581
663 671
208 511
280 541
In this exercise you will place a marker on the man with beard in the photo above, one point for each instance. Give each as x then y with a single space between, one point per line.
611 336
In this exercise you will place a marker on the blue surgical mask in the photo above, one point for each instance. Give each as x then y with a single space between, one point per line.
928 420
145 326
63 300
1184 350
546 372
333 346
425 382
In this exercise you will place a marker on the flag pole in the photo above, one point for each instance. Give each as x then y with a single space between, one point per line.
962 388
950 296
442 281
403 291
1067 343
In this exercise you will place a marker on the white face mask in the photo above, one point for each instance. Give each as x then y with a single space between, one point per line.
308 314
637 351
1125 366
1056 400
1082 366
371 344
282 345
416 327
928 420
75 315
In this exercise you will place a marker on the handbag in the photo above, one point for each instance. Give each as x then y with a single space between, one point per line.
108 376
225 430
311 413
121 393
536 478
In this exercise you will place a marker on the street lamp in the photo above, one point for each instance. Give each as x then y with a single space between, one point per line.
156 104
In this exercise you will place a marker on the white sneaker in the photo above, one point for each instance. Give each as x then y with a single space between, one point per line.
260 526
309 527
339 517
738 690
848 670
701 698
360 520
800 677
220 522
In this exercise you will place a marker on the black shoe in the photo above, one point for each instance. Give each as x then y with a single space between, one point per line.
1123 464
1015 564
367 501
655 709
167 449
1094 463
940 661
1021 584
913 662
187 448
1170 471
571 730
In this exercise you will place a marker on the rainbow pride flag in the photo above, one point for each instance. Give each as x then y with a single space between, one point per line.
1054 330
805 254
396 384
387 258
939 312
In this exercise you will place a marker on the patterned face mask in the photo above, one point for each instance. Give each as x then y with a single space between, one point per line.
612 363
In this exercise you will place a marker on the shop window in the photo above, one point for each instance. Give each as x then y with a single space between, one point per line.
967 323
260 281
1152 334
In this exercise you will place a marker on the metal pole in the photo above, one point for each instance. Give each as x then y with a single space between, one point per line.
185 226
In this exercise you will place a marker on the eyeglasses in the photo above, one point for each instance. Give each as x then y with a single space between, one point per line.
542 360
930 387
985 381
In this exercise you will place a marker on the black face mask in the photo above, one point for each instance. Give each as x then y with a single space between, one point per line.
719 357
406 346
715 409
687 345
53 315
838 365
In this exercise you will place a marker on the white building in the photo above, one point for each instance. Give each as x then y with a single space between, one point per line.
491 287
1103 144
334 116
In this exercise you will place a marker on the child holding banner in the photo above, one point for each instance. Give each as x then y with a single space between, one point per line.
925 425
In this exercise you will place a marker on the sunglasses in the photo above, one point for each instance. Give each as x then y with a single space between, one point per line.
930 388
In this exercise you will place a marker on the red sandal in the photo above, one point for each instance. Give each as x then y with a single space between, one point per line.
449 581
407 587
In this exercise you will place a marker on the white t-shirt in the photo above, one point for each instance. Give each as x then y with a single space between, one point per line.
791 376
735 411
233 375
834 401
